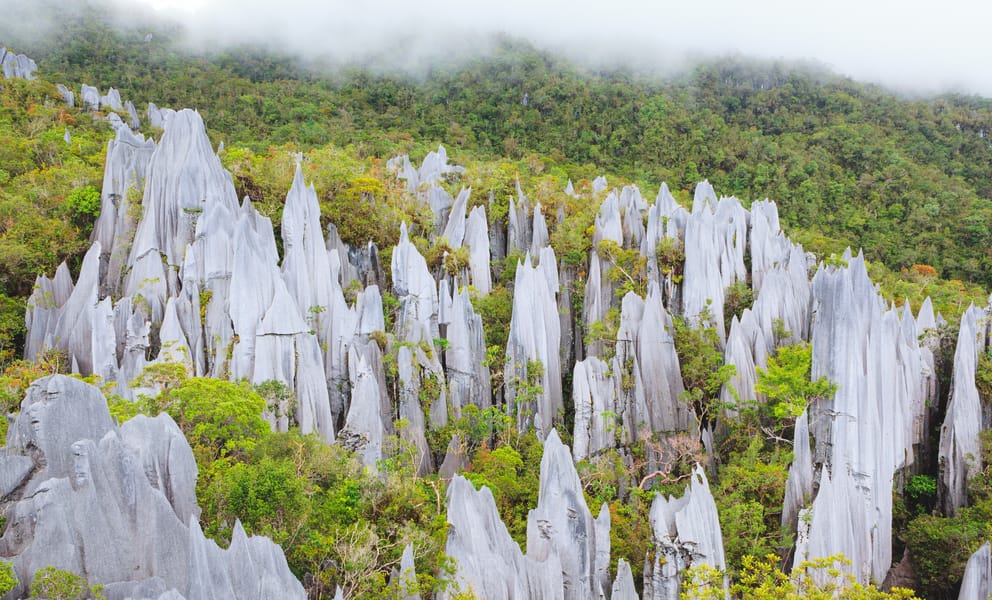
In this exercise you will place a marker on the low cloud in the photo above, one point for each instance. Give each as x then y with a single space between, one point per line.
912 46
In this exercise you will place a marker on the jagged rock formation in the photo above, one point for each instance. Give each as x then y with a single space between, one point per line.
960 450
117 505
67 95
488 562
191 275
977 581
434 167
465 357
568 552
799 486
404 579
533 371
124 175
16 65
562 525
867 431
686 533
623 587
594 397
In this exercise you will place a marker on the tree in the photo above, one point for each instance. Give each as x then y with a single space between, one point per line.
786 382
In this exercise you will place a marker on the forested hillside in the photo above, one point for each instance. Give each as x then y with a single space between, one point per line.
845 161
849 165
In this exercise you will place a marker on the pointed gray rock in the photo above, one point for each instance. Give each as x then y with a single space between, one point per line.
533 342
562 525
105 503
977 581
686 533
488 563
16 66
960 454
623 586
593 396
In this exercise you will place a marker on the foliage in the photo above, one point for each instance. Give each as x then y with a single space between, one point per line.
703 371
628 270
761 579
8 578
84 202
55 584
786 381
736 298
20 374
941 546
12 328
748 494
511 476
922 493
220 418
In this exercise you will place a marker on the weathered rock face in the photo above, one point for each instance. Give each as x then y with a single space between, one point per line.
488 562
465 357
977 581
404 579
124 176
16 65
118 505
532 353
715 240
866 432
623 587
434 167
562 525
567 550
960 454
686 533
594 397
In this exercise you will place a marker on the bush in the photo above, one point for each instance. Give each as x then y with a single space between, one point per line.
8 579
55 584
942 546
84 203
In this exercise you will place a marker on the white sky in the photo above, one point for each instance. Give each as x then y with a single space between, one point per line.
913 45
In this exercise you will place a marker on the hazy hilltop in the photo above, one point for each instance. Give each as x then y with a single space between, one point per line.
848 161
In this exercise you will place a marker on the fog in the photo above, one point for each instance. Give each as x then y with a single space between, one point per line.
913 46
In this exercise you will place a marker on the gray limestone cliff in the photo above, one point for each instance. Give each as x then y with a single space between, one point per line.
686 532
567 549
977 581
533 368
959 451
867 431
117 505
16 66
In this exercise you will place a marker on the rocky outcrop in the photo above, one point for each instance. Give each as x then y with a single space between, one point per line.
488 563
686 532
562 526
959 453
124 175
118 505
434 167
594 397
532 352
16 66
715 243
865 433
404 579
977 581
465 357
567 550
